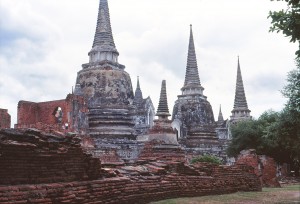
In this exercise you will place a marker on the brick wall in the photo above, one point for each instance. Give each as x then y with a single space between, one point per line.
44 168
29 157
5 119
42 115
30 113
142 189
27 112
264 167
269 171
47 110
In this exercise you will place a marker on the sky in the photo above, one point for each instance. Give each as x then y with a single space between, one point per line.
44 43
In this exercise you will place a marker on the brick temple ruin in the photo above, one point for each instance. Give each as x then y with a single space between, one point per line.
5 118
103 144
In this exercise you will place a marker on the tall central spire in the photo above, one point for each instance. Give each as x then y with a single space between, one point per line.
104 48
191 75
103 34
192 83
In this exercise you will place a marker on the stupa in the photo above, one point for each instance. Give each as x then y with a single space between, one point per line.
106 86
193 116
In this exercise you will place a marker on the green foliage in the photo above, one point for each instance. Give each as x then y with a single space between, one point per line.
271 133
276 134
292 89
206 158
288 133
254 134
289 125
287 21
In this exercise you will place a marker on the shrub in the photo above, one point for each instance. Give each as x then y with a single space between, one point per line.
206 158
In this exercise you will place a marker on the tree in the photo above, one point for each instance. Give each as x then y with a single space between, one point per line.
287 129
245 135
287 21
292 89
289 126
289 137
260 134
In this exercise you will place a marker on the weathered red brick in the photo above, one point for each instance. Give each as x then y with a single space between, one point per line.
5 119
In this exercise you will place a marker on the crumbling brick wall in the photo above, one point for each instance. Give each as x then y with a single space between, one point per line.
5 119
30 157
30 113
27 113
137 189
45 116
54 169
264 167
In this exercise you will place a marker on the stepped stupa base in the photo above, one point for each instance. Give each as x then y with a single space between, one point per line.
111 123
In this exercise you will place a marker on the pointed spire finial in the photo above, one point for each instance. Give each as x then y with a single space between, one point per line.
240 108
220 117
138 95
192 74
163 109
103 34
192 79
104 48
138 83
240 97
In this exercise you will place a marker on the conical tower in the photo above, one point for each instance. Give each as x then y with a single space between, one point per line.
163 133
192 83
162 125
103 34
192 114
163 109
104 48
138 96
240 108
220 117
105 85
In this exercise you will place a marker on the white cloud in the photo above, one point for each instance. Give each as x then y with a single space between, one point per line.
44 43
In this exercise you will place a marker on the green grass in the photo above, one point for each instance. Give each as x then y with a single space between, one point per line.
206 158
285 195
